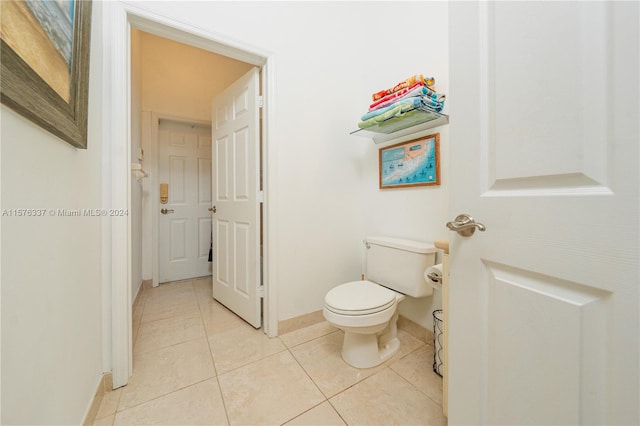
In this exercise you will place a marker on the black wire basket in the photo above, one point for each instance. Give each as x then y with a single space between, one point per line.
438 341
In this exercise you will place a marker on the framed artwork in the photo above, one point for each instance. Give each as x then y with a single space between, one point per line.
45 64
412 163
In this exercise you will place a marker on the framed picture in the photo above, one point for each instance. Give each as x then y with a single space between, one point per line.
412 163
45 64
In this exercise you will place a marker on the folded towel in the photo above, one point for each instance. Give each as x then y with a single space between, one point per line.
398 109
416 101
412 100
408 82
415 90
393 112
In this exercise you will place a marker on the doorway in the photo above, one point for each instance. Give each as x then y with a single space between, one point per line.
118 19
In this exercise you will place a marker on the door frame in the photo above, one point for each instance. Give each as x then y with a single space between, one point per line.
150 127
118 18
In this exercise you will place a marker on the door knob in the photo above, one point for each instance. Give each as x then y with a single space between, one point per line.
212 209
165 211
465 225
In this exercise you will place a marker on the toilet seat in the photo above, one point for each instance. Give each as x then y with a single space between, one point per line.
359 298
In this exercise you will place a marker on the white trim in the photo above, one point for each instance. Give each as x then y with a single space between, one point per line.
269 167
116 138
118 19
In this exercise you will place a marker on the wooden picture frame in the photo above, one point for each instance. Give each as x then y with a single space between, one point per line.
411 163
34 62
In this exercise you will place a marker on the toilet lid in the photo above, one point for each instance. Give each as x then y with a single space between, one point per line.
359 298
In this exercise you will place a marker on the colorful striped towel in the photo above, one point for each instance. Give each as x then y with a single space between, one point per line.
393 112
416 90
408 82
398 109
412 100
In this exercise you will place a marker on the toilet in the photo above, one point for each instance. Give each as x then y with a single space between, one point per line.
367 311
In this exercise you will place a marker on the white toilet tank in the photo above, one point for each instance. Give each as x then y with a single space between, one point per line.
399 264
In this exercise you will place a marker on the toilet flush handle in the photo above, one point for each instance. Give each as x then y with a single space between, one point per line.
465 225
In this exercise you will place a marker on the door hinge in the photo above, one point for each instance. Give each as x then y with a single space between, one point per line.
261 292
260 102
260 196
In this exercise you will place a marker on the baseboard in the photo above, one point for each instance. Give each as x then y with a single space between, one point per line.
405 324
147 284
104 385
302 321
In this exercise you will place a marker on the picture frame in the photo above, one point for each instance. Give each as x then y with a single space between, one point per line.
410 163
45 64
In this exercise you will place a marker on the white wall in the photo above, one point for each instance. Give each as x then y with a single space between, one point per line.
416 213
51 268
329 58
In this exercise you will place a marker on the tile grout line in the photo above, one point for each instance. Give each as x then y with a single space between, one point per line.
215 369
176 390
312 381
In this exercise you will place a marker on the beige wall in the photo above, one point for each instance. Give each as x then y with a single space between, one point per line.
180 80
51 266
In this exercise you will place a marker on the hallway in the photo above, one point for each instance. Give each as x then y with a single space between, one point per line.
195 362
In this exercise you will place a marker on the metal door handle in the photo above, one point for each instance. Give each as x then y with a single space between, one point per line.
212 209
465 225
165 211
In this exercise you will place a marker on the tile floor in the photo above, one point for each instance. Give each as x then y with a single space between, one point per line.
195 362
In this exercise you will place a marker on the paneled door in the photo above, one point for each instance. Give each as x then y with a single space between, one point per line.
544 304
184 237
236 213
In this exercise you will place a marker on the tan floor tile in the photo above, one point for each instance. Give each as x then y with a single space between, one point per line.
322 361
217 318
166 370
240 346
270 391
261 382
203 288
109 403
387 399
167 332
104 421
169 305
307 334
408 344
322 415
167 290
417 369
199 404
164 288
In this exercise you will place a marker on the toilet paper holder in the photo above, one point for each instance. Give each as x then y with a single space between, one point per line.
434 277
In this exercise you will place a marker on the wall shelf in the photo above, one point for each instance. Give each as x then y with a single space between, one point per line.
413 121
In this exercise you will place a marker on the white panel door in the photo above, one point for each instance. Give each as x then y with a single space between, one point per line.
184 237
543 305
236 219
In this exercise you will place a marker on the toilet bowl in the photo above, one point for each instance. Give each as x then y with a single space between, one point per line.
367 310
367 313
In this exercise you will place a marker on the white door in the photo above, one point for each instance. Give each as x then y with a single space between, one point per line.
544 152
236 182
184 164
